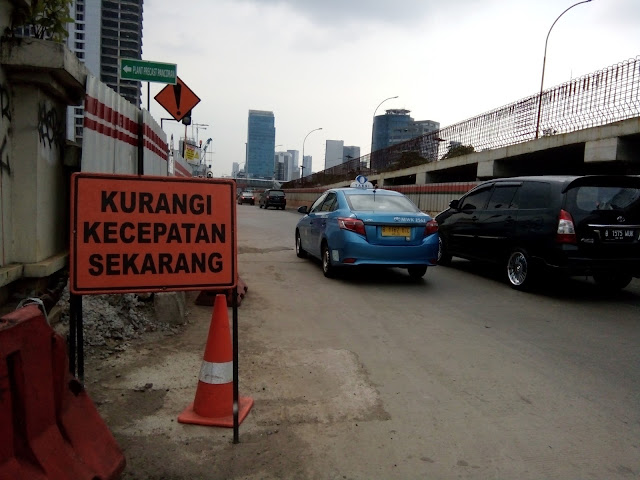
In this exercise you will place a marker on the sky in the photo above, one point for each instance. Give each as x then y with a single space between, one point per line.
330 63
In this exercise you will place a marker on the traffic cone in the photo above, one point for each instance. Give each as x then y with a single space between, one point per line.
213 404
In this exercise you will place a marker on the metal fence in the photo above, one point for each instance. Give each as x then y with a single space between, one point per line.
600 98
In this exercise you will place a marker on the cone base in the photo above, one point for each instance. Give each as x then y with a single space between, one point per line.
189 416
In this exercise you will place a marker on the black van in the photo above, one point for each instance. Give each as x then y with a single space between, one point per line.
273 198
586 225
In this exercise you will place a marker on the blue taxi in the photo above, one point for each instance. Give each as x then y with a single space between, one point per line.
365 225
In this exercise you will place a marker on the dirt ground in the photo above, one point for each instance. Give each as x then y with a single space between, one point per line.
141 391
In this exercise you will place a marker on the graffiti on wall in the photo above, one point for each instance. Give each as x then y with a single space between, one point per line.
50 126
4 103
5 117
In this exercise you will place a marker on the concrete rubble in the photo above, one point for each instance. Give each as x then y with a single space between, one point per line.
112 322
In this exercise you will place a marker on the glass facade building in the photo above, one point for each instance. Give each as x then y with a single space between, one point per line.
261 142
385 125
397 126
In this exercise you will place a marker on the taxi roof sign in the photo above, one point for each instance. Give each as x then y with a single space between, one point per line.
361 182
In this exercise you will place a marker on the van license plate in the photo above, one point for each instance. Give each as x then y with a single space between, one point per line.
396 231
619 234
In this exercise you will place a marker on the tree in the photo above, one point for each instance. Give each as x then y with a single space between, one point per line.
47 19
459 150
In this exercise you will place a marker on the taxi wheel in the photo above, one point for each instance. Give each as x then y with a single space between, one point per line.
417 272
327 268
299 250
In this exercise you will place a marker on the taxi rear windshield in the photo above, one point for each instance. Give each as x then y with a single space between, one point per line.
380 203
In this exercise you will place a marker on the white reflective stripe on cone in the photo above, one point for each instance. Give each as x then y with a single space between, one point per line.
216 373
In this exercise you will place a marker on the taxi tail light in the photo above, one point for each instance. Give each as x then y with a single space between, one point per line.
566 232
352 224
430 228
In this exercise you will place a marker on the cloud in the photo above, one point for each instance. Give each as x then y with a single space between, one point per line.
340 12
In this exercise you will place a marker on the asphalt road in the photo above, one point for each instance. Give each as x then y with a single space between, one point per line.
467 377
375 376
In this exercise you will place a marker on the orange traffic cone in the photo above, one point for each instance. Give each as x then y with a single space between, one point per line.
213 404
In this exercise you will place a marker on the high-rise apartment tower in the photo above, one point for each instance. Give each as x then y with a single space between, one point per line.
104 31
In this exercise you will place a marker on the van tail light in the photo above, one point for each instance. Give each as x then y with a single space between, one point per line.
352 224
566 230
430 228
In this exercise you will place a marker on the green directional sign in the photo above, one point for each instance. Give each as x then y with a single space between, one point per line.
131 69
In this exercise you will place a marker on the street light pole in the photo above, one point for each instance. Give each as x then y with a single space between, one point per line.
374 117
305 139
544 61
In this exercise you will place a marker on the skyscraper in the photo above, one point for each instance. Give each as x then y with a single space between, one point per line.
307 162
350 152
333 153
261 142
294 168
282 162
104 31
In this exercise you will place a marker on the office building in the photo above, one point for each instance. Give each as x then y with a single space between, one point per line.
333 153
235 168
307 163
282 162
104 31
261 142
350 153
294 169
397 126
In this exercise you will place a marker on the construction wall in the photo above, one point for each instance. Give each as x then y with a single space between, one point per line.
39 79
113 128
6 184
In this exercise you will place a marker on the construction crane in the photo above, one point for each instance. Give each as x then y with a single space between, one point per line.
198 127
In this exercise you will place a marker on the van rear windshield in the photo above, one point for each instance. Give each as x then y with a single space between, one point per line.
276 193
589 198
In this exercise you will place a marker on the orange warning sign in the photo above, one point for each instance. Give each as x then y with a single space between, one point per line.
177 99
151 234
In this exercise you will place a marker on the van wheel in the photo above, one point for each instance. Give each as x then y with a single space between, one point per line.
299 250
519 269
417 272
444 257
612 280
327 268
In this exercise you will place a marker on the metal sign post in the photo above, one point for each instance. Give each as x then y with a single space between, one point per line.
142 70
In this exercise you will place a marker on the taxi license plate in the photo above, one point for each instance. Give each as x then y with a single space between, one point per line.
619 234
396 231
